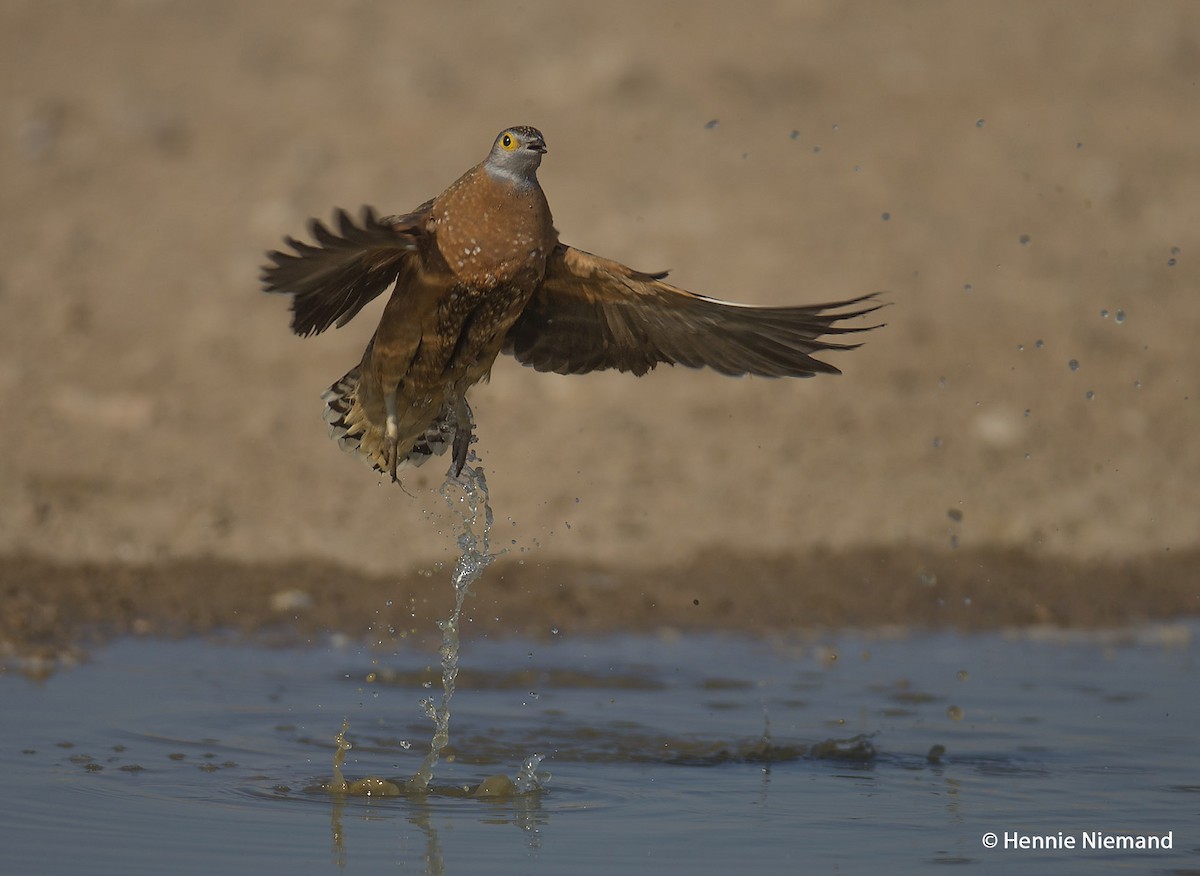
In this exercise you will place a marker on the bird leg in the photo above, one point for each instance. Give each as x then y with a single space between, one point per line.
464 433
392 437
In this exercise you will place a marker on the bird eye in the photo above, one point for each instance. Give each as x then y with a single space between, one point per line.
508 142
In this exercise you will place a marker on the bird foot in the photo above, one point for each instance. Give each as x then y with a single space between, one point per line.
393 455
391 441
464 436
464 433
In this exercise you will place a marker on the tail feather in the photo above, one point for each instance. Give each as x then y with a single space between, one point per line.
355 434
347 422
435 440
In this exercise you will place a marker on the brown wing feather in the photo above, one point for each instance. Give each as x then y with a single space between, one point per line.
333 280
591 313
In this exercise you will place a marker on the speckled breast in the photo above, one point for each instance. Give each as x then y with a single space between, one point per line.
493 233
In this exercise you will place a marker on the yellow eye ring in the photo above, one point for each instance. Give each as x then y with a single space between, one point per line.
509 142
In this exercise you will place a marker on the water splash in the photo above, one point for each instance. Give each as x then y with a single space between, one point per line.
467 496
530 778
370 786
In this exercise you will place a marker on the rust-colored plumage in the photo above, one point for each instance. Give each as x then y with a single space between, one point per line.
479 270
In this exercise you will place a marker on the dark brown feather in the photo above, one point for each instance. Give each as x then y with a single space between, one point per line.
592 313
333 280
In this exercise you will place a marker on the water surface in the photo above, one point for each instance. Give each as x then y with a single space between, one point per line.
699 754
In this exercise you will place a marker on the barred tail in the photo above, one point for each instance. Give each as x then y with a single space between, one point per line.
355 434
348 424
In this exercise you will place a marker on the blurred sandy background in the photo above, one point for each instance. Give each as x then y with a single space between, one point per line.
1022 178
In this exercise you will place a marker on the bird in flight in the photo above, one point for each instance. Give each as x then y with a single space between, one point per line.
479 270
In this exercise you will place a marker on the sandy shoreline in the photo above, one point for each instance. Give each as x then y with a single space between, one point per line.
52 610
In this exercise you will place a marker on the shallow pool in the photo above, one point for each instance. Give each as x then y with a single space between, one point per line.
700 754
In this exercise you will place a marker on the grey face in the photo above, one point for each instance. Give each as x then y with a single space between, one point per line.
517 153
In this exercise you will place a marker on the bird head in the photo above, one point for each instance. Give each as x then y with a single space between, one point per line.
517 153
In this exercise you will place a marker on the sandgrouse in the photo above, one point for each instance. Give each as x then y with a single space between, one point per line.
479 270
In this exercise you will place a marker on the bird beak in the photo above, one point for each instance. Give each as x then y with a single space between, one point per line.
537 145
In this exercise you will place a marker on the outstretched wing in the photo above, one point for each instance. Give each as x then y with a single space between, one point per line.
591 313
333 280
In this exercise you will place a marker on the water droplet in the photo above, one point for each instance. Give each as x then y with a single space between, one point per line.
1119 317
816 149
836 127
1039 343
1028 455
979 123
967 287
857 168
1028 412
1104 313
1024 240
963 675
711 123
942 382
795 135
954 542
1089 395
1020 348
886 216
937 442
1137 384
954 713
1175 250
1073 364
1170 262
955 514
